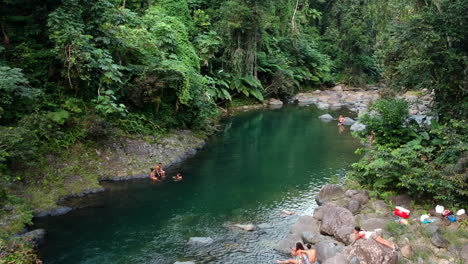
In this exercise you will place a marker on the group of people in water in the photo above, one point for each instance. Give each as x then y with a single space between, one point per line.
309 255
158 174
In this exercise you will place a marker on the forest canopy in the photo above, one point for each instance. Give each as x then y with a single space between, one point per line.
74 70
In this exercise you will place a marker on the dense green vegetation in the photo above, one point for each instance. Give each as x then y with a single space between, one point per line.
429 162
77 71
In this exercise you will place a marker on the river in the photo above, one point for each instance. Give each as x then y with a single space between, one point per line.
261 162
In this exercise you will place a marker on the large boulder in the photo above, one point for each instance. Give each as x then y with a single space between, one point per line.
328 193
362 197
348 121
338 222
338 259
323 106
275 102
305 223
326 249
326 117
369 251
284 245
354 207
357 127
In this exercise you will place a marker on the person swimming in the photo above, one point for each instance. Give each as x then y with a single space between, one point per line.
341 120
178 177
152 175
159 171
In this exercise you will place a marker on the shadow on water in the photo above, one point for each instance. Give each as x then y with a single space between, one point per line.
259 164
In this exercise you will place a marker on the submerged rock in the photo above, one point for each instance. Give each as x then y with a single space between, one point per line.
54 212
184 262
247 227
36 236
200 241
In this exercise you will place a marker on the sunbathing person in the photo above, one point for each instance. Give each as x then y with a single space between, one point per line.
359 233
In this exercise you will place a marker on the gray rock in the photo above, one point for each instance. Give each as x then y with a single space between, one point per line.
349 121
374 223
380 206
362 197
355 260
284 246
200 241
328 193
338 259
184 262
403 200
313 238
36 236
338 222
323 106
369 251
407 251
438 240
275 102
358 127
464 254
318 213
305 223
325 250
247 227
326 117
264 226
354 206
60 210
350 193
431 229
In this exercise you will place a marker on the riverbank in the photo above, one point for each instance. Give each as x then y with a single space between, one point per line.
330 230
79 170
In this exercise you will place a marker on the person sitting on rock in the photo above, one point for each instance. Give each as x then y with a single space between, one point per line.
153 175
299 256
359 233
311 255
178 177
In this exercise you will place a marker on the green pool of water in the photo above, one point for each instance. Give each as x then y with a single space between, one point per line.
259 164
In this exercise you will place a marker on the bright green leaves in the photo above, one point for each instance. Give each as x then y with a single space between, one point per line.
106 104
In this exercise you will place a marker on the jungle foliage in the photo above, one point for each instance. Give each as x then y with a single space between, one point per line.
77 70
428 161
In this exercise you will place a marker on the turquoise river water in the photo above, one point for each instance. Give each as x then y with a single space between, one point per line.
259 164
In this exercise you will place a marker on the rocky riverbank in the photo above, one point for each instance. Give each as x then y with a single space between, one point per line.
330 230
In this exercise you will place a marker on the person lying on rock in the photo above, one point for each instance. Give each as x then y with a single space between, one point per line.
359 233
299 254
